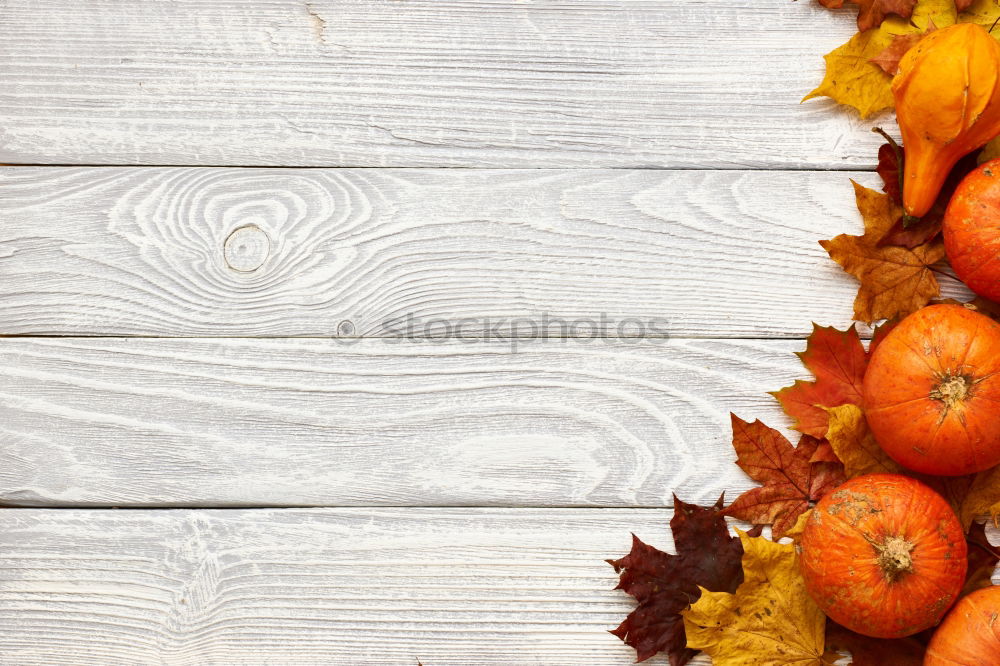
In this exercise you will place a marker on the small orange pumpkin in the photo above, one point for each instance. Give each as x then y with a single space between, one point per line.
947 96
970 635
883 555
972 230
932 391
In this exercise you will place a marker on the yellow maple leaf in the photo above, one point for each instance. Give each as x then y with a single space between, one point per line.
983 497
895 280
855 445
769 620
851 76
971 496
983 12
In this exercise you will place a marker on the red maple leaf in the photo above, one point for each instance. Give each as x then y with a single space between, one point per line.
838 361
665 584
792 480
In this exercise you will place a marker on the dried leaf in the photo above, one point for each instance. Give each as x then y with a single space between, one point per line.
664 584
888 59
971 496
866 651
855 445
894 280
791 481
824 453
871 13
769 620
983 12
913 232
983 497
890 170
838 361
851 76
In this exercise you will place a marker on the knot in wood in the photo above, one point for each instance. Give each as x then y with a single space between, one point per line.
247 249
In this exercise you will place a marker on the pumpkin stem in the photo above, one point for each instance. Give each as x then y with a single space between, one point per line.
952 390
894 557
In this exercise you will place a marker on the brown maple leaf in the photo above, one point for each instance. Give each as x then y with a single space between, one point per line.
664 584
838 361
894 280
791 480
871 13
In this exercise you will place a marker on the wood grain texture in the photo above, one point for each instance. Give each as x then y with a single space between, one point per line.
548 83
349 587
363 586
251 252
159 422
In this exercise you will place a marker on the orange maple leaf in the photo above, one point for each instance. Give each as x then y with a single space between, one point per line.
895 281
791 480
838 361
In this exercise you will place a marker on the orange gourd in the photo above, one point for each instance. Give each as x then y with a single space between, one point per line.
947 96
972 230
932 391
883 555
970 635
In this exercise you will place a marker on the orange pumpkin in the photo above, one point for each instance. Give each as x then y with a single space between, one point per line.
947 95
883 555
972 230
970 635
932 391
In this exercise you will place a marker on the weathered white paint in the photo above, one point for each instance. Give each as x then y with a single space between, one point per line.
332 586
489 83
161 422
125 251
367 586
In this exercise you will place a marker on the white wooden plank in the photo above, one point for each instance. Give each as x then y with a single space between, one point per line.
502 83
446 587
166 422
364 586
124 251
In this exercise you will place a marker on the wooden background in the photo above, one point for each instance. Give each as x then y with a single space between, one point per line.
215 211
